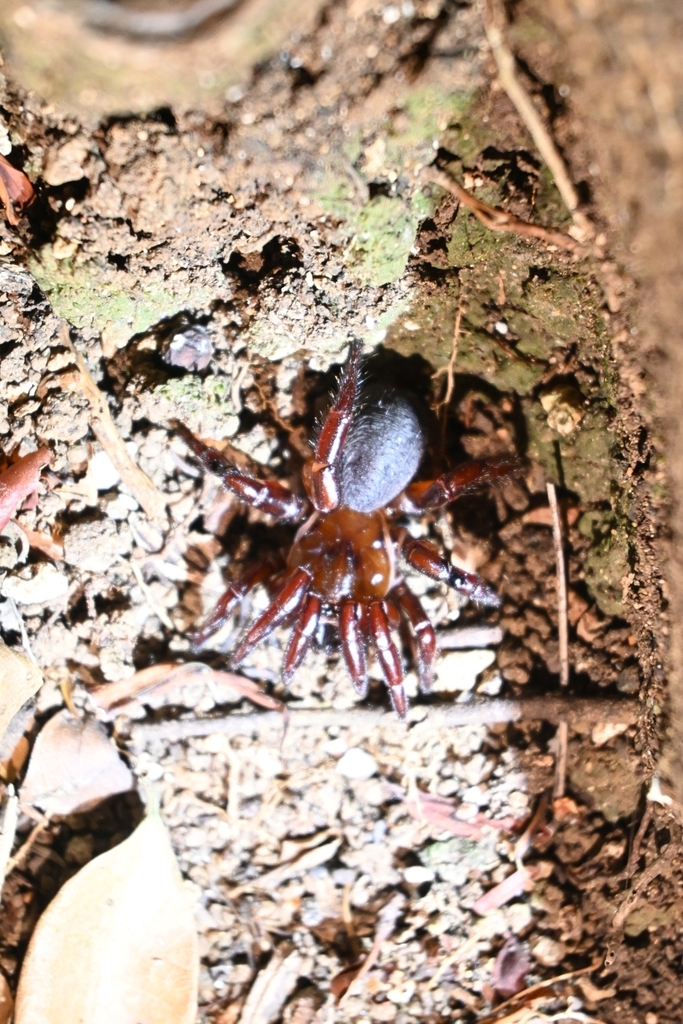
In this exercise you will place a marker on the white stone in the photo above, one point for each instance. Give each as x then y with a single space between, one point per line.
103 471
549 952
41 584
458 670
416 874
357 764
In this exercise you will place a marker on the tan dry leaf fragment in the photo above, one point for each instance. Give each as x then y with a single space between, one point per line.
73 766
16 191
18 481
272 987
118 943
19 680
169 678
104 429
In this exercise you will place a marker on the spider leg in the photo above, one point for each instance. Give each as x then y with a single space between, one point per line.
235 593
388 657
330 444
302 634
287 601
354 640
267 495
424 557
430 494
425 637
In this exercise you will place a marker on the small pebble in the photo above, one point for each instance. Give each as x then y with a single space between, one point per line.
549 952
103 472
458 670
190 348
41 584
416 874
357 764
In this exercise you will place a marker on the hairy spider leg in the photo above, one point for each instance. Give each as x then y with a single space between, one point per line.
324 482
431 494
302 634
388 656
425 557
353 629
286 602
425 636
266 495
235 593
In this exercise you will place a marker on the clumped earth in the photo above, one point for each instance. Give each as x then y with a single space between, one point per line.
214 267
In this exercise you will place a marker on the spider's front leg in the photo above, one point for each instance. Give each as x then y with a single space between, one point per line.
323 480
432 494
388 656
425 637
266 495
425 557
235 593
286 603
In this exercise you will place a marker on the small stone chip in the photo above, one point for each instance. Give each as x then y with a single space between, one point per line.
94 546
357 764
39 584
417 874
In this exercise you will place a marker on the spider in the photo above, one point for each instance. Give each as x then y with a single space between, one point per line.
345 555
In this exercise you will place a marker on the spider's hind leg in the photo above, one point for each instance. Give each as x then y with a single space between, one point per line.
432 494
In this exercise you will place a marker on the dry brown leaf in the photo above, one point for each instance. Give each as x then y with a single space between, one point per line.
169 678
73 766
104 429
46 543
18 481
16 191
14 746
386 922
440 811
272 987
19 680
117 944
514 885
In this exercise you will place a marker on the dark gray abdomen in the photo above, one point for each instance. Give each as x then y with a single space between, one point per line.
383 450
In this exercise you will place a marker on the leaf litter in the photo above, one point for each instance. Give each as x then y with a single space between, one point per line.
118 943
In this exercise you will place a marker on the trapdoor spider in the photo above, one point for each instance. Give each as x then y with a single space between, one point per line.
345 554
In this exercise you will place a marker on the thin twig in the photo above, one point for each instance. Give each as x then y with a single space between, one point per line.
106 432
499 220
495 24
476 712
632 898
563 629
9 830
26 847
562 741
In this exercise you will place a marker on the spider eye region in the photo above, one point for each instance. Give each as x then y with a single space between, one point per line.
383 450
347 555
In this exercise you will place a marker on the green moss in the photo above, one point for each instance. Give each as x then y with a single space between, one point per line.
95 295
385 233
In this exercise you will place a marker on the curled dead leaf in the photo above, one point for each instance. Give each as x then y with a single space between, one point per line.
73 766
18 481
16 191
117 944
19 680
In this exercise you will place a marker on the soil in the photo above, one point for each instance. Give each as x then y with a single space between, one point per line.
255 234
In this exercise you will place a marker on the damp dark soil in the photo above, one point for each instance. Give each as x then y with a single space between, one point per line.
214 248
